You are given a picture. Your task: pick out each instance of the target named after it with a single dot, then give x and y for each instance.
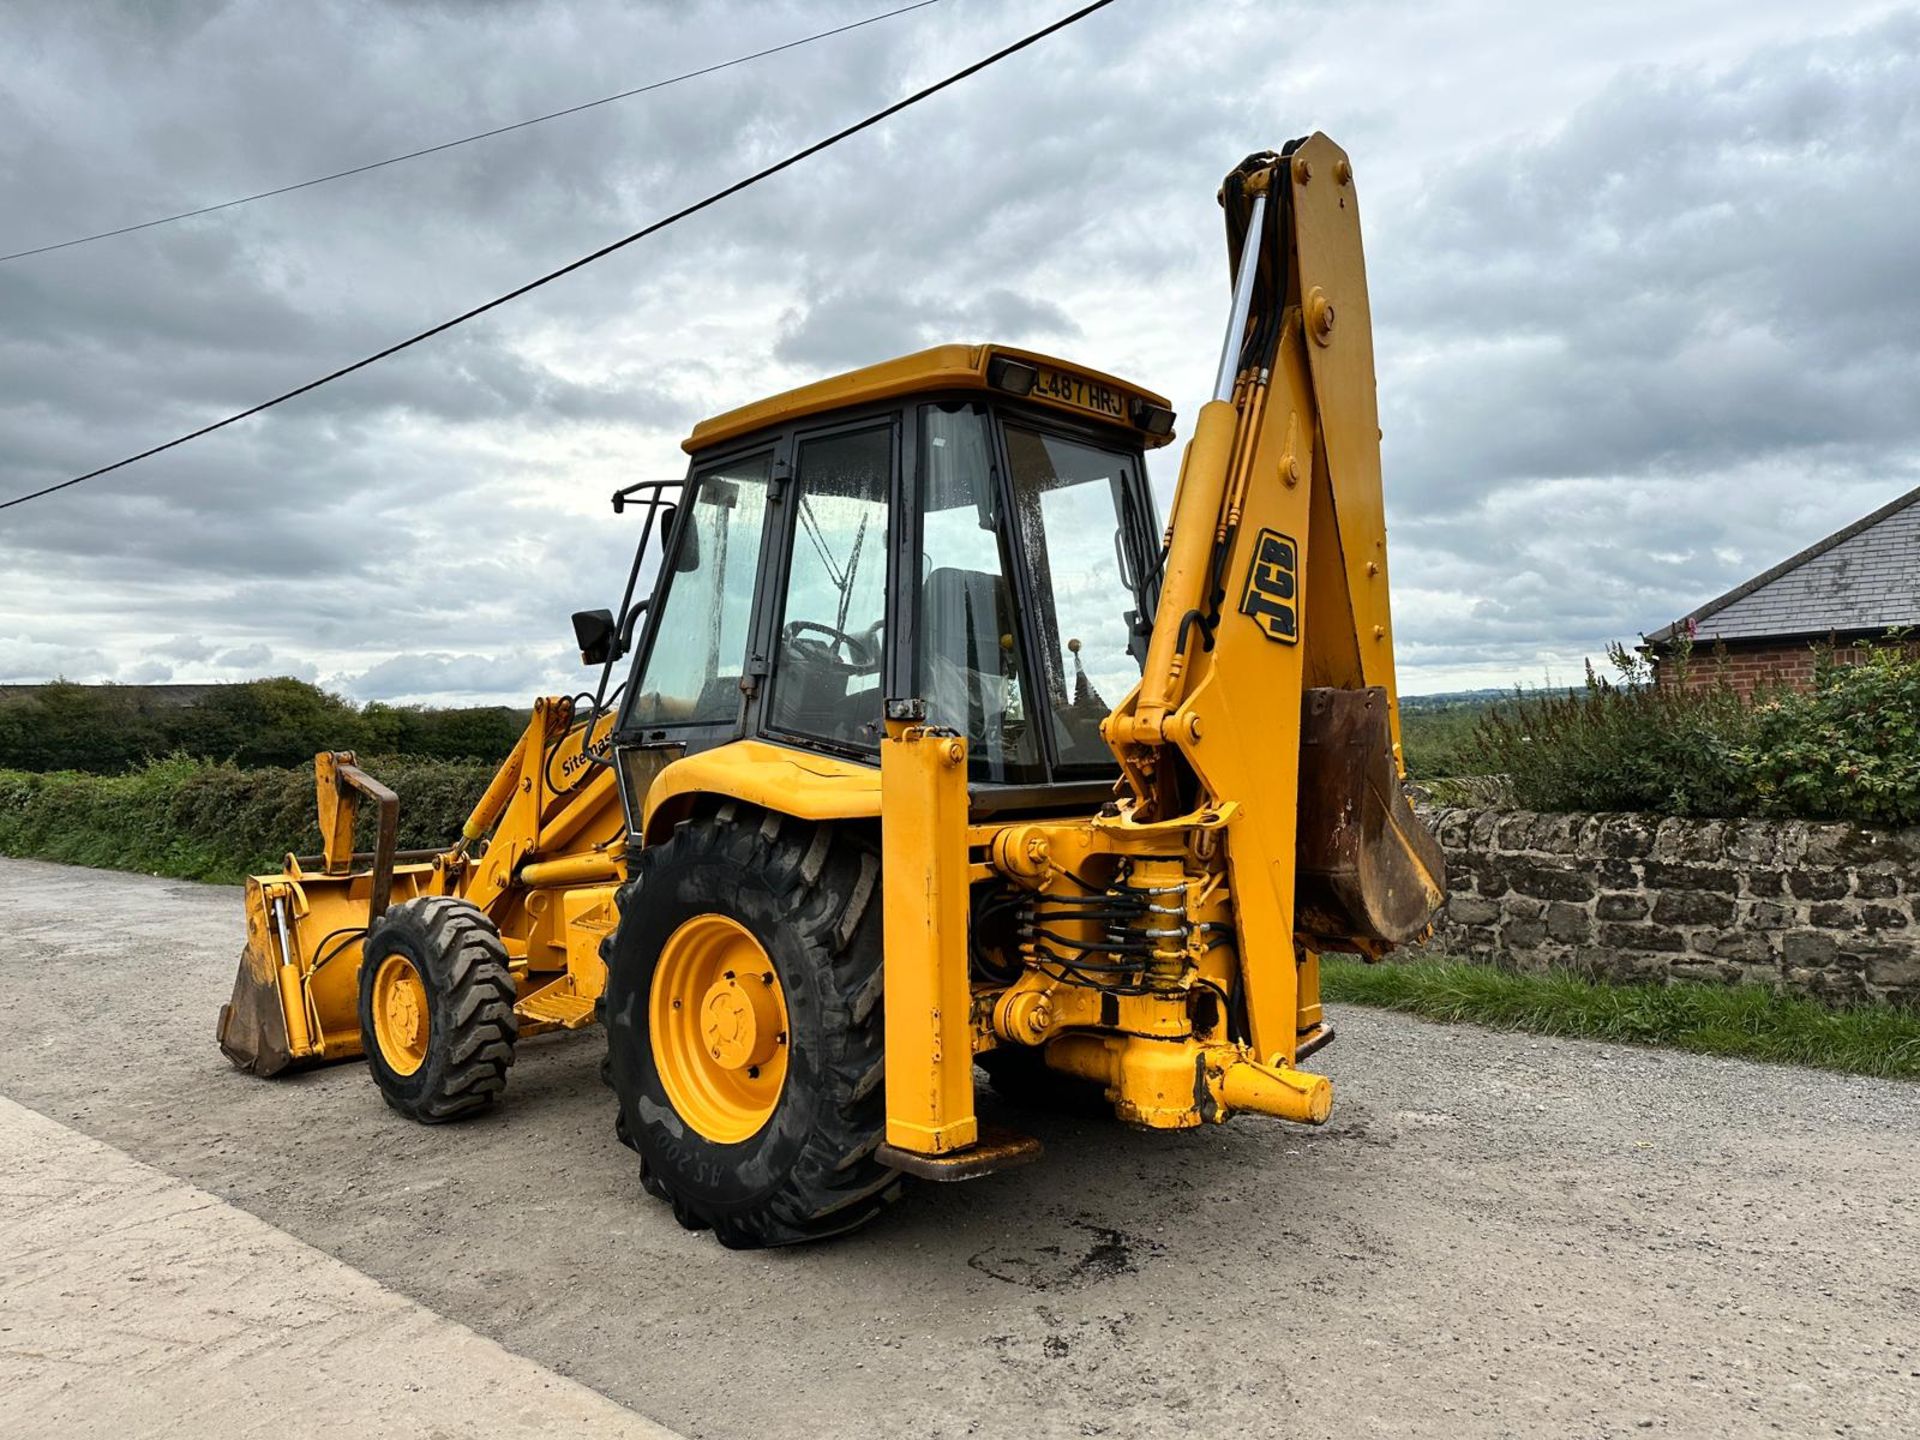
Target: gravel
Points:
(1494, 1235)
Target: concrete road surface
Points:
(1495, 1235)
(132, 1303)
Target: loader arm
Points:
(539, 856)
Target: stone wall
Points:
(1830, 910)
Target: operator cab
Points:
(970, 526)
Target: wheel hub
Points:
(740, 1021)
(403, 1015)
(400, 1014)
(717, 1025)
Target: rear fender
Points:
(799, 783)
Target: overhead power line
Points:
(465, 139)
(605, 250)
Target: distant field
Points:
(1435, 731)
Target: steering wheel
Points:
(861, 656)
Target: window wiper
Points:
(853, 568)
(812, 526)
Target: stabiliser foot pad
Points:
(997, 1149)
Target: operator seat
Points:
(964, 614)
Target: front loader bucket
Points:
(296, 1000)
(1371, 876)
(268, 1025)
(253, 1025)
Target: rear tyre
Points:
(436, 1009)
(744, 1027)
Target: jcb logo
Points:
(1272, 581)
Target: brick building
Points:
(1857, 584)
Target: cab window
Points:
(692, 674)
(967, 653)
(1071, 513)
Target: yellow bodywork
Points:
(1258, 818)
(923, 776)
(546, 878)
(944, 367)
(800, 783)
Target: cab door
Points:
(828, 621)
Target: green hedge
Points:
(1438, 741)
(200, 821)
(1848, 748)
(110, 729)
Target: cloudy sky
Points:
(1645, 276)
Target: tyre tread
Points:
(828, 879)
(471, 994)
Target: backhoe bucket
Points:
(1370, 876)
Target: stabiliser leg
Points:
(932, 1131)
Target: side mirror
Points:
(594, 632)
(688, 560)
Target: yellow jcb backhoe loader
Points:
(934, 749)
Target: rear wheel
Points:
(744, 1029)
(436, 1009)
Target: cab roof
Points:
(1056, 384)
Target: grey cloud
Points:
(1646, 313)
(457, 678)
(1698, 268)
(847, 328)
(184, 647)
(246, 657)
(26, 661)
(1633, 360)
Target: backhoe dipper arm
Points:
(1268, 685)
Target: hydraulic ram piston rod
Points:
(1242, 300)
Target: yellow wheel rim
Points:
(717, 1020)
(400, 1014)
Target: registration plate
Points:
(1081, 393)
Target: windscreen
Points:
(692, 674)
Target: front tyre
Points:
(436, 1009)
(744, 1028)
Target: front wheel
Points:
(744, 1028)
(436, 1008)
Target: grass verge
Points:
(1748, 1021)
